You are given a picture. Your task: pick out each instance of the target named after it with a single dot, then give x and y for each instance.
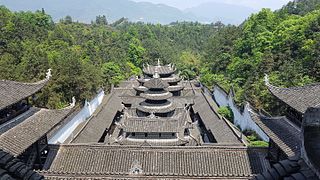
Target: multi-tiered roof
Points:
(139, 131)
(166, 73)
(156, 97)
(163, 71)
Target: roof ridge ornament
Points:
(159, 64)
(73, 103)
(266, 80)
(156, 73)
(48, 74)
(152, 115)
(136, 168)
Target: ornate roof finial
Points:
(159, 64)
(73, 102)
(136, 168)
(156, 73)
(152, 116)
(48, 74)
(266, 79)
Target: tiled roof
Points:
(145, 107)
(175, 88)
(101, 120)
(13, 168)
(17, 120)
(156, 83)
(162, 70)
(174, 79)
(299, 98)
(217, 126)
(140, 88)
(19, 138)
(281, 131)
(180, 162)
(12, 92)
(153, 125)
(292, 168)
(156, 143)
(159, 96)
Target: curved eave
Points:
(172, 80)
(12, 92)
(175, 88)
(142, 80)
(18, 139)
(156, 83)
(157, 109)
(156, 96)
(299, 98)
(161, 70)
(151, 73)
(141, 88)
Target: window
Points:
(133, 134)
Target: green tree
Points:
(112, 74)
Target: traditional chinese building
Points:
(294, 140)
(296, 99)
(156, 126)
(303, 164)
(24, 129)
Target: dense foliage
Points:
(226, 112)
(84, 57)
(283, 44)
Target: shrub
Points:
(226, 112)
(254, 139)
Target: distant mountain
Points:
(226, 13)
(87, 10)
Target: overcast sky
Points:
(255, 4)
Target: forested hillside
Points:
(284, 44)
(84, 57)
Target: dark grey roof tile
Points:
(12, 92)
(299, 98)
(19, 138)
(281, 131)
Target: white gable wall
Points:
(86, 112)
(241, 119)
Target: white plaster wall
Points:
(82, 116)
(241, 119)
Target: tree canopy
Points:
(85, 57)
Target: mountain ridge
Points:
(213, 11)
(86, 11)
